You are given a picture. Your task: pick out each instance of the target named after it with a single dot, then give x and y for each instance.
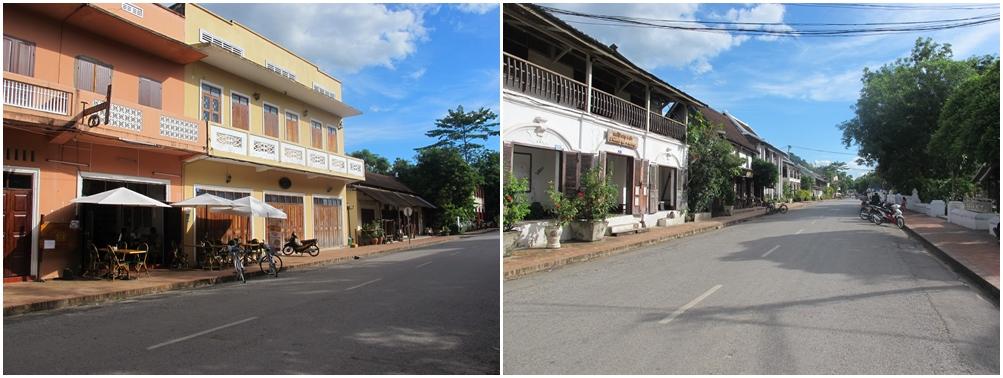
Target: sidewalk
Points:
(526, 261)
(975, 254)
(22, 297)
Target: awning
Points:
(121, 197)
(391, 198)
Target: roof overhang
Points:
(108, 25)
(255, 72)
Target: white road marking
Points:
(194, 335)
(362, 284)
(771, 250)
(423, 264)
(799, 231)
(692, 303)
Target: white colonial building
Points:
(571, 103)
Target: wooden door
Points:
(327, 222)
(278, 230)
(218, 226)
(640, 187)
(17, 232)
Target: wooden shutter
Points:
(102, 79)
(587, 162)
(332, 139)
(602, 163)
(640, 189)
(571, 172)
(507, 149)
(271, 120)
(19, 56)
(653, 180)
(292, 127)
(317, 134)
(84, 76)
(239, 112)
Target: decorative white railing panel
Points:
(30, 96)
(316, 159)
(178, 128)
(125, 117)
(293, 154)
(339, 164)
(228, 140)
(356, 167)
(264, 148)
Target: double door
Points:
(327, 221)
(278, 230)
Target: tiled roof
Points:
(731, 130)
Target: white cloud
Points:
(816, 86)
(476, 8)
(653, 48)
(417, 74)
(348, 37)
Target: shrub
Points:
(596, 197)
(516, 204)
(565, 208)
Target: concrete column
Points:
(588, 83)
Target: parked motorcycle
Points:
(890, 214)
(293, 245)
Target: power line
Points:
(818, 150)
(897, 6)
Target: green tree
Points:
(401, 167)
(487, 166)
(899, 108)
(764, 173)
(462, 130)
(442, 177)
(713, 164)
(374, 163)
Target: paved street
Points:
(815, 291)
(430, 310)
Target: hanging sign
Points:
(621, 139)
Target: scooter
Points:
(293, 245)
(888, 214)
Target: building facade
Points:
(60, 59)
(383, 199)
(572, 103)
(274, 128)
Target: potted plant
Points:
(595, 199)
(729, 201)
(564, 211)
(516, 208)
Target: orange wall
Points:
(155, 17)
(56, 63)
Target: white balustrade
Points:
(34, 97)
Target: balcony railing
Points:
(34, 97)
(531, 79)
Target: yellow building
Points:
(275, 132)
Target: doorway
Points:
(327, 221)
(281, 229)
(18, 201)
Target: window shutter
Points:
(602, 163)
(639, 197)
(156, 94)
(102, 79)
(26, 59)
(507, 149)
(84, 77)
(8, 54)
(332, 139)
(572, 164)
(653, 188)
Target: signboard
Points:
(621, 139)
(407, 212)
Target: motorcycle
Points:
(293, 245)
(889, 214)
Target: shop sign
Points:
(621, 139)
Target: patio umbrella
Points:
(252, 206)
(204, 199)
(122, 197)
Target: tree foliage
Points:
(487, 166)
(374, 163)
(969, 126)
(441, 176)
(712, 164)
(764, 173)
(461, 130)
(899, 108)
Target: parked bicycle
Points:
(179, 260)
(772, 208)
(236, 254)
(269, 262)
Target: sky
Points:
(403, 66)
(792, 91)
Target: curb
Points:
(202, 282)
(990, 291)
(522, 272)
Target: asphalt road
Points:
(431, 310)
(815, 291)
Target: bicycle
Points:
(235, 254)
(270, 262)
(772, 208)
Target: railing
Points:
(617, 109)
(529, 78)
(536, 81)
(30, 96)
(667, 127)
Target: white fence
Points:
(30, 96)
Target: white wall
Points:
(543, 171)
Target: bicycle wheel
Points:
(783, 209)
(270, 267)
(238, 269)
(314, 250)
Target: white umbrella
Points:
(253, 206)
(204, 199)
(120, 196)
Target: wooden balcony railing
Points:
(539, 82)
(34, 97)
(531, 79)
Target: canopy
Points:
(122, 197)
(387, 197)
(253, 206)
(204, 199)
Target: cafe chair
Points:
(117, 268)
(94, 261)
(140, 261)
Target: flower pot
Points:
(510, 238)
(700, 217)
(728, 210)
(588, 230)
(553, 236)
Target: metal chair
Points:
(140, 261)
(94, 261)
(116, 267)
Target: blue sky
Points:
(402, 65)
(793, 91)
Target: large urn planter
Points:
(728, 210)
(701, 217)
(510, 238)
(553, 236)
(588, 230)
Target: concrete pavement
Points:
(433, 310)
(817, 291)
(973, 253)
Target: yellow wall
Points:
(246, 178)
(256, 47)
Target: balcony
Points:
(533, 80)
(258, 149)
(34, 97)
(140, 124)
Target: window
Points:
(211, 98)
(271, 120)
(292, 127)
(92, 75)
(239, 112)
(18, 56)
(332, 139)
(316, 134)
(149, 92)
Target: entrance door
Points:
(17, 216)
(279, 230)
(219, 226)
(327, 221)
